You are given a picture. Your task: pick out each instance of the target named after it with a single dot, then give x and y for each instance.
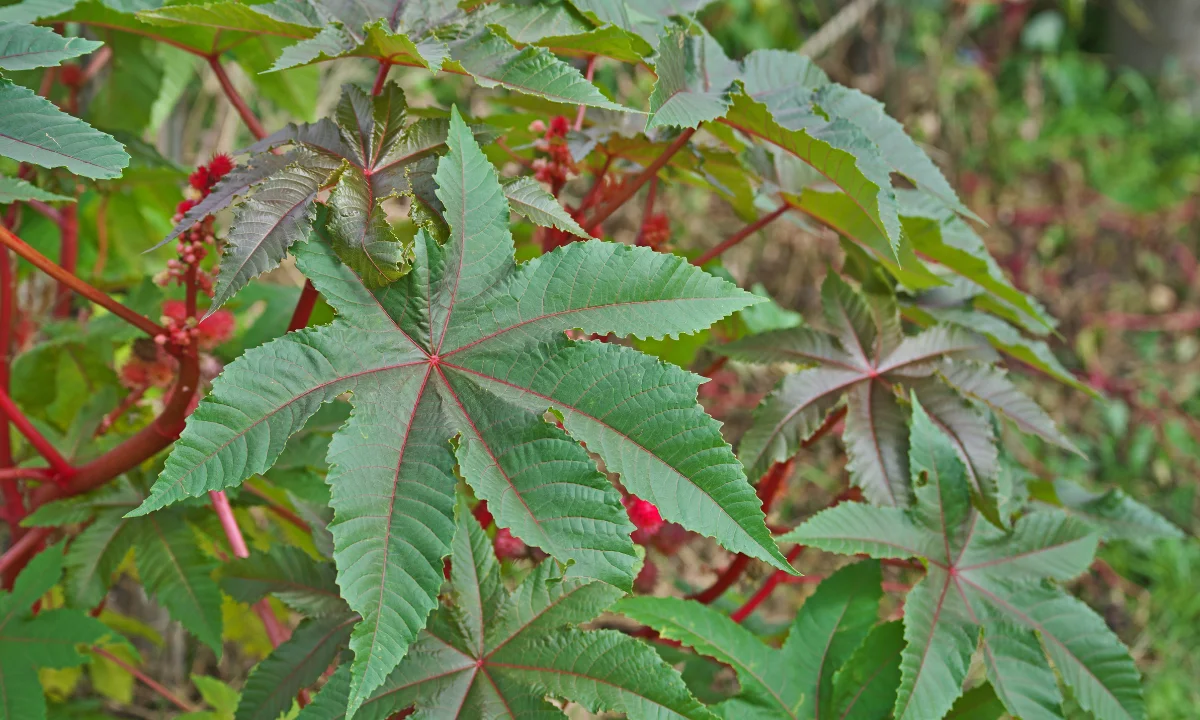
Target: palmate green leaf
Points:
(991, 387)
(470, 345)
(33, 130)
(433, 34)
(17, 190)
(297, 663)
(225, 16)
(278, 215)
(51, 639)
(789, 116)
(983, 582)
(173, 569)
(98, 550)
(894, 144)
(489, 653)
(941, 236)
(362, 154)
(842, 213)
(24, 47)
(1113, 514)
(862, 361)
(555, 26)
(796, 681)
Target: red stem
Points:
(68, 256)
(381, 77)
(275, 632)
(14, 557)
(146, 680)
(235, 98)
(148, 442)
(304, 307)
(591, 72)
(765, 591)
(46, 211)
(651, 195)
(279, 510)
(62, 468)
(768, 489)
(43, 263)
(7, 300)
(741, 235)
(628, 190)
(25, 473)
(130, 400)
(597, 184)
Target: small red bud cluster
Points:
(556, 167)
(207, 333)
(656, 232)
(151, 365)
(194, 243)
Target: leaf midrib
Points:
(201, 463)
(593, 418)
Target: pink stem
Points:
(233, 533)
(275, 632)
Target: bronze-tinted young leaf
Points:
(863, 361)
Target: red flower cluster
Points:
(193, 244)
(557, 167)
(206, 176)
(208, 333)
(151, 365)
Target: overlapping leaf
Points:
(429, 34)
(801, 679)
(51, 639)
(489, 653)
(981, 580)
(33, 130)
(362, 154)
(169, 560)
(863, 360)
(469, 345)
(23, 47)
(17, 190)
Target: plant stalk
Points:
(629, 189)
(62, 469)
(146, 680)
(740, 235)
(43, 263)
(235, 98)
